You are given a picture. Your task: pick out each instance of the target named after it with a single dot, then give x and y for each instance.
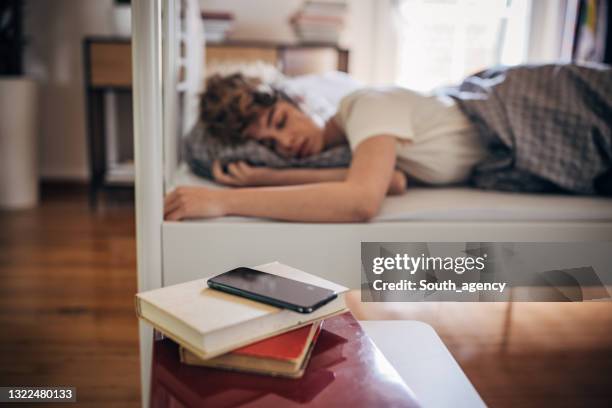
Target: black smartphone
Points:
(272, 289)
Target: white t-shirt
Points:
(436, 142)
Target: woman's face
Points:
(288, 131)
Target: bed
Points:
(193, 248)
(173, 252)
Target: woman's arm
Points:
(358, 198)
(240, 174)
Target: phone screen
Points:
(272, 289)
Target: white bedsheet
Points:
(466, 204)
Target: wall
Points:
(53, 56)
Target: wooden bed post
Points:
(148, 152)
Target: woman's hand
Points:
(193, 202)
(240, 174)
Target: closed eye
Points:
(282, 122)
(268, 142)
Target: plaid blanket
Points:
(549, 127)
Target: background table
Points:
(423, 362)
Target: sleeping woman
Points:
(396, 136)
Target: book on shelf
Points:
(216, 15)
(209, 322)
(324, 21)
(319, 21)
(285, 355)
(217, 25)
(318, 36)
(346, 369)
(324, 8)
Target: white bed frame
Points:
(148, 156)
(170, 252)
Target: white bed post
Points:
(148, 152)
(170, 64)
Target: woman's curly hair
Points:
(231, 103)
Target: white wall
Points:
(53, 56)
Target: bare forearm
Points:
(287, 177)
(321, 202)
(358, 198)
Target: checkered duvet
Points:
(549, 127)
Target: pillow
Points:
(201, 150)
(318, 95)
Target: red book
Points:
(346, 369)
(287, 346)
(283, 355)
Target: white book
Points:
(215, 25)
(209, 322)
(325, 8)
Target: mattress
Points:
(463, 204)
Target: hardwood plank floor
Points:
(67, 279)
(68, 275)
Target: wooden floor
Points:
(67, 280)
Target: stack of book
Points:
(220, 330)
(217, 25)
(319, 22)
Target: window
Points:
(442, 41)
